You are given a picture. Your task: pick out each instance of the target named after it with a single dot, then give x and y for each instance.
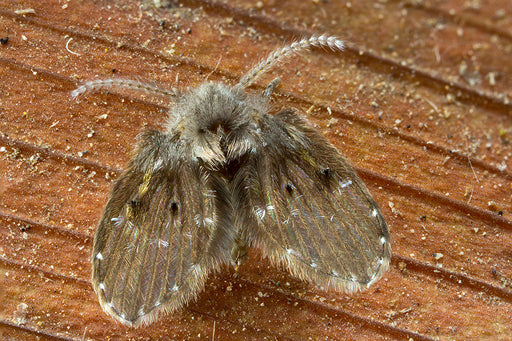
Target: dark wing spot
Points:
(289, 188)
(135, 203)
(326, 172)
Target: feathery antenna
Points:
(110, 83)
(318, 41)
(322, 41)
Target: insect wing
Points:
(312, 212)
(152, 248)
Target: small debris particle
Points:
(437, 255)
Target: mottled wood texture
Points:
(419, 103)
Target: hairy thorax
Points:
(218, 123)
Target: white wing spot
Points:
(383, 240)
(292, 252)
(141, 312)
(313, 265)
(202, 221)
(270, 208)
(260, 213)
(157, 303)
(163, 243)
(101, 286)
(375, 212)
(346, 183)
(197, 219)
(196, 268)
(381, 261)
(174, 288)
(334, 273)
(210, 194)
(353, 277)
(158, 164)
(117, 221)
(123, 316)
(110, 305)
(99, 256)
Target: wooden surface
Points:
(419, 103)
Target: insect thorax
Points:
(218, 123)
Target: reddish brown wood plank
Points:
(419, 103)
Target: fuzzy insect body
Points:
(224, 176)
